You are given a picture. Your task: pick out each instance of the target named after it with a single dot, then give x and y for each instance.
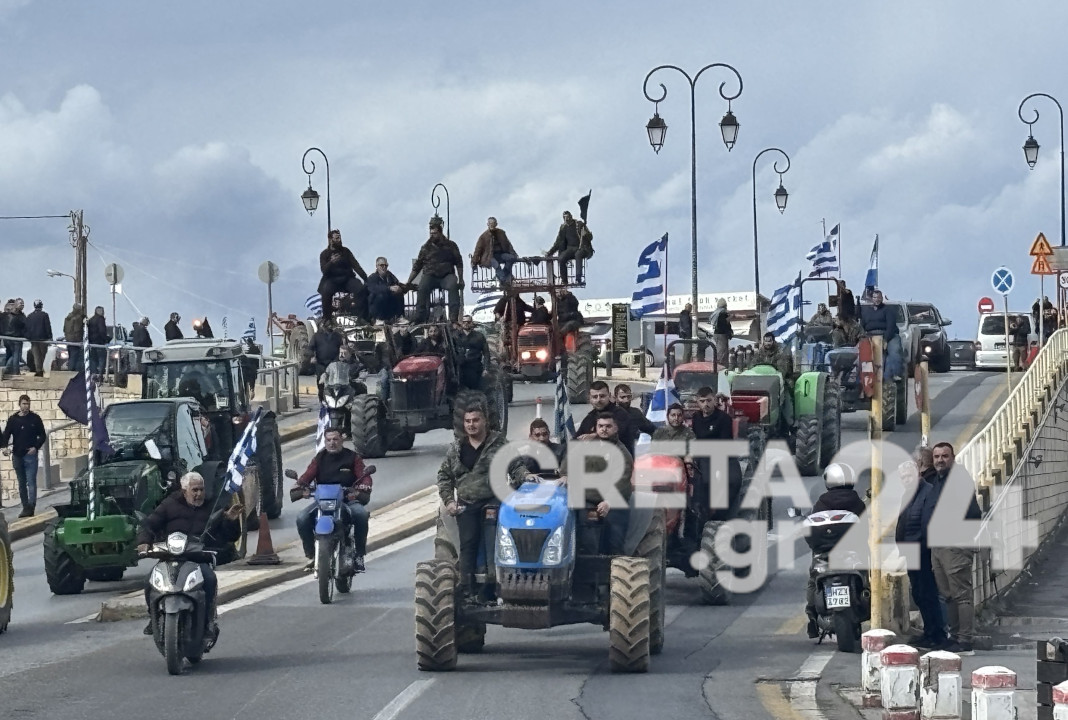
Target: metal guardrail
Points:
(984, 455)
(46, 453)
(284, 378)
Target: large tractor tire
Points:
(831, 428)
(807, 443)
(447, 539)
(629, 615)
(368, 426)
(889, 408)
(7, 576)
(579, 377)
(105, 574)
(269, 465)
(299, 338)
(401, 440)
(653, 548)
(942, 364)
(435, 615)
(471, 638)
(712, 592)
(64, 576)
(901, 401)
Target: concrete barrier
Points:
(899, 682)
(993, 693)
(1060, 701)
(940, 686)
(872, 643)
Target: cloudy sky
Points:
(179, 129)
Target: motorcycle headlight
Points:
(176, 543)
(820, 566)
(506, 554)
(159, 579)
(328, 506)
(927, 348)
(195, 579)
(554, 549)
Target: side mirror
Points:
(370, 470)
(153, 450)
(291, 474)
(946, 322)
(792, 512)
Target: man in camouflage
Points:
(675, 429)
(773, 354)
(443, 268)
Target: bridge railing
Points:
(985, 454)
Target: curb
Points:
(133, 607)
(299, 430)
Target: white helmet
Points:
(839, 475)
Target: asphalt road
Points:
(282, 654)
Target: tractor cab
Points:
(692, 365)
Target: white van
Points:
(990, 351)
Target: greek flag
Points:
(663, 396)
(484, 306)
(871, 280)
(314, 303)
(243, 452)
(320, 429)
(250, 333)
(784, 317)
(824, 256)
(564, 423)
(652, 275)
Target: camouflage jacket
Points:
(669, 433)
(456, 482)
(437, 259)
(777, 358)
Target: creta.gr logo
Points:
(1004, 531)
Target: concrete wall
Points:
(44, 400)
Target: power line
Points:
(35, 217)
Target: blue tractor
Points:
(542, 565)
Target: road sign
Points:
(268, 272)
(1041, 266)
(1040, 247)
(1062, 280)
(986, 305)
(113, 274)
(1002, 280)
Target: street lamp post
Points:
(1030, 147)
(657, 130)
(436, 202)
(310, 197)
(781, 197)
(57, 273)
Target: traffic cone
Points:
(265, 554)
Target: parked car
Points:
(990, 351)
(962, 354)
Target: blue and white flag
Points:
(871, 280)
(652, 277)
(784, 317)
(320, 429)
(314, 303)
(486, 303)
(250, 333)
(824, 256)
(663, 397)
(243, 452)
(564, 425)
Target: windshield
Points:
(995, 324)
(208, 382)
(337, 374)
(129, 425)
(922, 315)
(691, 382)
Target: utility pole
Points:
(79, 240)
(875, 559)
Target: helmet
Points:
(839, 475)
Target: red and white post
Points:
(993, 693)
(1060, 701)
(940, 686)
(872, 643)
(899, 682)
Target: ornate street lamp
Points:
(781, 196)
(310, 197)
(1030, 147)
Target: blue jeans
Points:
(98, 361)
(893, 361)
(14, 356)
(354, 514)
(26, 472)
(502, 264)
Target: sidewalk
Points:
(402, 519)
(292, 425)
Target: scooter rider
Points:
(187, 512)
(336, 464)
(839, 479)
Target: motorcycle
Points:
(335, 546)
(338, 391)
(843, 594)
(177, 601)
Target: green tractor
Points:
(155, 443)
(7, 576)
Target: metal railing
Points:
(984, 455)
(284, 379)
(119, 359)
(46, 453)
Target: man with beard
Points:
(340, 268)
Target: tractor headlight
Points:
(927, 348)
(176, 543)
(195, 579)
(542, 354)
(554, 549)
(525, 355)
(506, 554)
(159, 579)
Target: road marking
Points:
(979, 420)
(793, 625)
(798, 702)
(812, 668)
(404, 699)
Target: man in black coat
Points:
(601, 400)
(340, 268)
(912, 524)
(385, 293)
(98, 336)
(38, 332)
(712, 422)
(171, 331)
(14, 325)
(880, 319)
(324, 348)
(26, 432)
(638, 422)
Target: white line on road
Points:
(404, 699)
(802, 692)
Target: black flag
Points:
(72, 403)
(584, 205)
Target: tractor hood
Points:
(842, 359)
(418, 364)
(124, 480)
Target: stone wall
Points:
(44, 400)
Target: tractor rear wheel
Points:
(7, 576)
(64, 576)
(653, 547)
(901, 401)
(579, 377)
(368, 437)
(402, 440)
(889, 408)
(435, 615)
(712, 592)
(831, 430)
(807, 443)
(629, 615)
(269, 462)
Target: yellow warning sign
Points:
(1040, 248)
(1041, 266)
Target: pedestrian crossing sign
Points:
(1040, 248)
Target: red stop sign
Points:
(986, 305)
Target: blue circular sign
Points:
(1002, 280)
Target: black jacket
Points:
(140, 336)
(540, 316)
(379, 285)
(880, 320)
(174, 514)
(38, 326)
(504, 309)
(567, 309)
(325, 346)
(15, 325)
(685, 325)
(938, 484)
(639, 423)
(840, 498)
(25, 430)
(172, 332)
(916, 515)
(98, 330)
(345, 266)
(626, 432)
(717, 426)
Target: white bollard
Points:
(1060, 701)
(993, 693)
(537, 407)
(872, 643)
(899, 682)
(940, 686)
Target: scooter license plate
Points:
(837, 596)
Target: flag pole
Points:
(89, 415)
(666, 300)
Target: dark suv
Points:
(930, 326)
